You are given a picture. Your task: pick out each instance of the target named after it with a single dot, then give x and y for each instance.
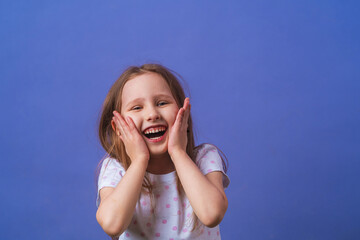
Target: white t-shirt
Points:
(167, 215)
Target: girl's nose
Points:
(153, 115)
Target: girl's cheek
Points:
(173, 121)
(176, 111)
(136, 122)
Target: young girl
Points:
(154, 183)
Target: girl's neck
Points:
(160, 164)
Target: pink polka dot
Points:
(104, 177)
(209, 233)
(171, 239)
(175, 198)
(167, 205)
(157, 195)
(209, 170)
(157, 234)
(184, 204)
(212, 161)
(127, 234)
(174, 228)
(166, 187)
(144, 203)
(218, 233)
(112, 183)
(148, 224)
(179, 212)
(120, 173)
(188, 215)
(135, 222)
(185, 230)
(164, 221)
(202, 231)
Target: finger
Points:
(186, 100)
(188, 108)
(187, 105)
(131, 123)
(185, 114)
(119, 128)
(179, 118)
(121, 119)
(122, 125)
(186, 119)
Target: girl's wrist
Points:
(175, 153)
(143, 162)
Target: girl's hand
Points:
(134, 143)
(178, 133)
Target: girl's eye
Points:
(162, 103)
(136, 108)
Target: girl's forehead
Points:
(145, 85)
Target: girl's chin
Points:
(158, 151)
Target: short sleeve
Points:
(110, 175)
(209, 160)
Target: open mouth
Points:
(155, 133)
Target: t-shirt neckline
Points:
(167, 177)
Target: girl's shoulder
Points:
(210, 158)
(205, 151)
(204, 148)
(109, 162)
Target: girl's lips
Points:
(157, 139)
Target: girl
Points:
(154, 183)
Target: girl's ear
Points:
(113, 125)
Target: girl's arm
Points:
(118, 204)
(205, 193)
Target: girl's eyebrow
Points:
(163, 96)
(167, 96)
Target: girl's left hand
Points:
(178, 132)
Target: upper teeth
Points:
(154, 130)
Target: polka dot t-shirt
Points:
(165, 215)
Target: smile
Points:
(155, 134)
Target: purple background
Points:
(274, 84)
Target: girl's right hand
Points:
(134, 143)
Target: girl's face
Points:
(148, 100)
